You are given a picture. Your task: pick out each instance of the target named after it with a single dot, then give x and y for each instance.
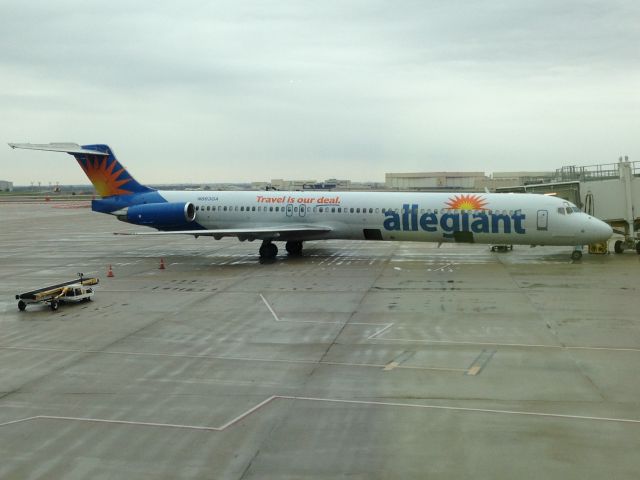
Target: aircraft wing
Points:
(283, 232)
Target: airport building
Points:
(6, 186)
(462, 181)
(417, 181)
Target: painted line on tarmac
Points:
(399, 360)
(480, 362)
(278, 319)
(228, 358)
(376, 335)
(520, 345)
(255, 408)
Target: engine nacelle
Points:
(161, 215)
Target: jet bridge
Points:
(610, 192)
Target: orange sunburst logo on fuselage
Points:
(467, 202)
(104, 176)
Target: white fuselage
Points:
(488, 218)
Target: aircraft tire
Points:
(294, 247)
(576, 255)
(618, 246)
(22, 306)
(268, 251)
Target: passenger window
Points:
(378, 210)
(339, 210)
(225, 209)
(271, 209)
(253, 209)
(242, 209)
(357, 210)
(197, 208)
(351, 210)
(277, 209)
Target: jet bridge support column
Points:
(626, 177)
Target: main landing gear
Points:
(268, 250)
(294, 248)
(501, 248)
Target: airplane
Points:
(295, 217)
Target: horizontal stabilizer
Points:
(57, 147)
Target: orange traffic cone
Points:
(162, 264)
(110, 272)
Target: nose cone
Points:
(605, 230)
(598, 231)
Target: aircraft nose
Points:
(600, 231)
(605, 230)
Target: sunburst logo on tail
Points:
(104, 176)
(467, 202)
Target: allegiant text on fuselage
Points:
(450, 222)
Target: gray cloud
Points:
(253, 90)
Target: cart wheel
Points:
(638, 248)
(22, 306)
(576, 255)
(54, 305)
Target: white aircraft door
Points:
(303, 210)
(543, 219)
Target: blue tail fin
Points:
(99, 163)
(108, 176)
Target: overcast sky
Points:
(213, 91)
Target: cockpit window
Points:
(561, 210)
(569, 210)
